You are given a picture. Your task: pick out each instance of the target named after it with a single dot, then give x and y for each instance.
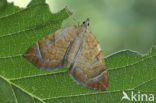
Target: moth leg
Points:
(73, 18)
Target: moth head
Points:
(86, 23)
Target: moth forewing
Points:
(87, 66)
(49, 52)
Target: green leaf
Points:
(22, 82)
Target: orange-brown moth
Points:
(79, 47)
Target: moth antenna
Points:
(73, 18)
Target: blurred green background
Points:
(117, 24)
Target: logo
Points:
(137, 96)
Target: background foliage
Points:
(117, 24)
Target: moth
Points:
(79, 47)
